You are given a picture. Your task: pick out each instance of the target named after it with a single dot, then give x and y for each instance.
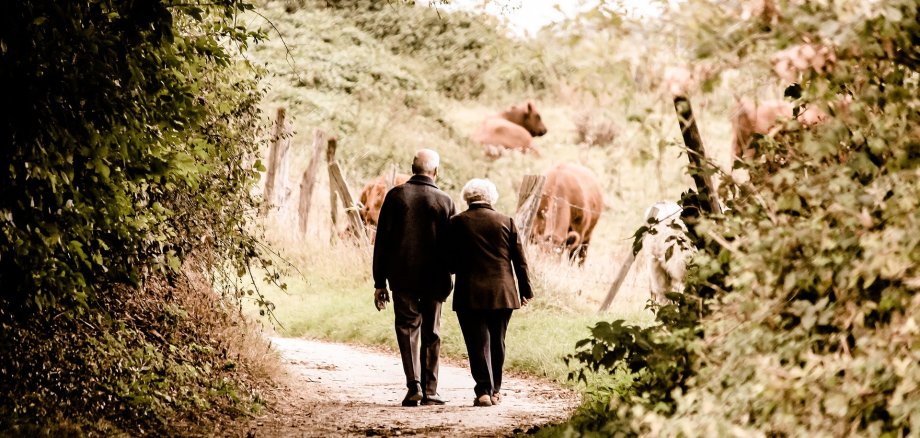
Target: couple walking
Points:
(420, 242)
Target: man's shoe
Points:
(483, 400)
(430, 400)
(413, 396)
(496, 398)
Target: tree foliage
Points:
(481, 57)
(127, 154)
(801, 311)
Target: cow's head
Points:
(370, 203)
(527, 116)
(371, 199)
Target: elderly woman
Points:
(487, 254)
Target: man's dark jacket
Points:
(485, 249)
(410, 249)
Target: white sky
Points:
(528, 16)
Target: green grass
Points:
(332, 300)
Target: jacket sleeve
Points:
(450, 253)
(380, 243)
(448, 243)
(519, 262)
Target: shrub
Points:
(480, 57)
(799, 317)
(592, 129)
(125, 156)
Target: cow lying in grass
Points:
(512, 129)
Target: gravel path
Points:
(341, 390)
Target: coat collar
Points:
(478, 205)
(422, 179)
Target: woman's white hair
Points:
(479, 190)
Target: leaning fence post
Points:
(351, 207)
(624, 269)
(696, 155)
(333, 207)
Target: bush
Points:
(480, 57)
(592, 129)
(124, 158)
(800, 315)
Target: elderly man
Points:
(486, 248)
(409, 253)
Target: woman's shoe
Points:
(496, 398)
(483, 400)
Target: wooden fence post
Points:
(704, 187)
(618, 281)
(276, 157)
(338, 183)
(333, 202)
(697, 155)
(528, 203)
(309, 180)
(624, 269)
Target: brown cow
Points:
(371, 200)
(766, 118)
(791, 63)
(511, 129)
(569, 208)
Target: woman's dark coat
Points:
(486, 254)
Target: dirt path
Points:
(341, 390)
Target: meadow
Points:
(318, 73)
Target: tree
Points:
(131, 124)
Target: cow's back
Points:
(587, 199)
(497, 131)
(570, 205)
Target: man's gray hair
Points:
(426, 161)
(479, 190)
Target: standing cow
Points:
(372, 198)
(570, 206)
(512, 129)
(666, 250)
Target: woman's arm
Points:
(519, 262)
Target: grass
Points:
(331, 299)
(381, 122)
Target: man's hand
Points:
(381, 298)
(524, 301)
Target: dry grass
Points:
(242, 337)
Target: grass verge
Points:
(330, 298)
